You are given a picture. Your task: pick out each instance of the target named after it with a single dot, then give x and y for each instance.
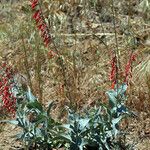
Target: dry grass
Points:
(85, 39)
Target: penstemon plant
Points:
(42, 26)
(38, 127)
(99, 127)
(96, 129)
(40, 22)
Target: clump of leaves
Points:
(76, 131)
(98, 128)
(104, 123)
(38, 127)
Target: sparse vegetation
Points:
(90, 56)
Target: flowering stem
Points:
(116, 51)
(6, 85)
(26, 64)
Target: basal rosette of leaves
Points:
(97, 128)
(38, 127)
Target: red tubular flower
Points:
(34, 3)
(37, 15)
(126, 74)
(42, 27)
(113, 85)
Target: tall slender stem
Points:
(26, 64)
(116, 51)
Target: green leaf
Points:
(14, 122)
(35, 105)
(122, 89)
(116, 120)
(19, 135)
(30, 96)
(83, 123)
(49, 108)
(115, 123)
(68, 127)
(82, 144)
(112, 98)
(66, 137)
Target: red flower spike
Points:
(6, 84)
(113, 71)
(128, 67)
(40, 22)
